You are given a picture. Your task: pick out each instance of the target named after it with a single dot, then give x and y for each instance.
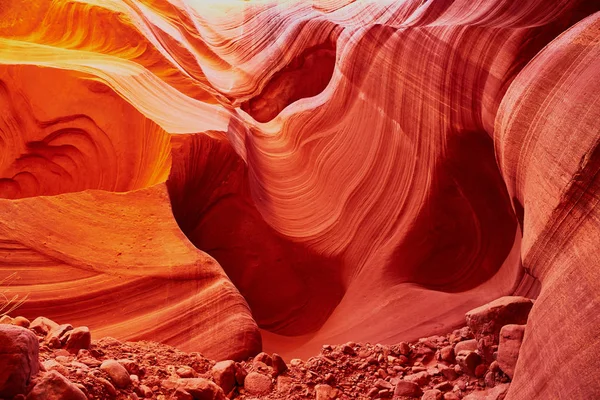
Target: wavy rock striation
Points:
(326, 171)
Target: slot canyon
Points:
(242, 177)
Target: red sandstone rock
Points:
(77, 339)
(325, 392)
(407, 388)
(279, 365)
(43, 325)
(497, 393)
(490, 318)
(432, 394)
(117, 373)
(18, 359)
(465, 345)
(223, 374)
(388, 166)
(511, 338)
(257, 384)
(54, 386)
(201, 389)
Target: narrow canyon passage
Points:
(228, 177)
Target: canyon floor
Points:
(466, 363)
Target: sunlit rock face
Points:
(191, 171)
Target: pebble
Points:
(117, 373)
(257, 384)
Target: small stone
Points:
(348, 350)
(373, 392)
(186, 372)
(42, 325)
(432, 394)
(295, 362)
(19, 351)
(201, 389)
(240, 374)
(451, 396)
(443, 386)
(77, 339)
(480, 370)
(117, 373)
(511, 338)
(130, 365)
(54, 365)
(223, 374)
(110, 388)
(284, 384)
(404, 348)
(465, 345)
(52, 386)
(6, 320)
(489, 380)
(494, 367)
(468, 361)
(447, 354)
(146, 391)
(448, 373)
(325, 392)
(21, 321)
(279, 365)
(53, 338)
(264, 357)
(381, 384)
(409, 389)
(496, 393)
(257, 384)
(420, 378)
(181, 394)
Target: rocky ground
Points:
(42, 359)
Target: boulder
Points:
(19, 351)
(490, 318)
(511, 338)
(223, 374)
(54, 386)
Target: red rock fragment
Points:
(257, 384)
(223, 374)
(54, 386)
(511, 338)
(19, 351)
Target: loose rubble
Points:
(475, 362)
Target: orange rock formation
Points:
(331, 170)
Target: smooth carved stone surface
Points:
(326, 170)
